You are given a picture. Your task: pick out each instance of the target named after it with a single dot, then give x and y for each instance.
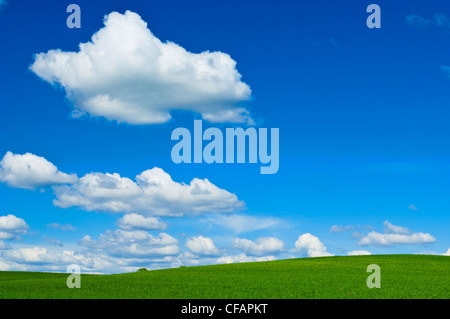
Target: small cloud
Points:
(392, 229)
(427, 252)
(374, 238)
(357, 234)
(358, 253)
(311, 245)
(242, 258)
(53, 241)
(136, 221)
(395, 235)
(447, 253)
(338, 229)
(334, 42)
(259, 247)
(392, 235)
(446, 70)
(243, 223)
(413, 207)
(202, 246)
(326, 43)
(30, 171)
(441, 20)
(11, 227)
(417, 21)
(61, 227)
(438, 20)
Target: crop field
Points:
(402, 276)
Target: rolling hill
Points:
(402, 277)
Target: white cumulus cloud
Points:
(311, 245)
(12, 223)
(395, 235)
(375, 238)
(30, 171)
(261, 246)
(11, 227)
(202, 246)
(153, 193)
(128, 75)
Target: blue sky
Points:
(362, 113)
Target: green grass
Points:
(402, 276)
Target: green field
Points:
(402, 276)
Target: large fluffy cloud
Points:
(311, 245)
(30, 171)
(153, 193)
(261, 246)
(128, 75)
